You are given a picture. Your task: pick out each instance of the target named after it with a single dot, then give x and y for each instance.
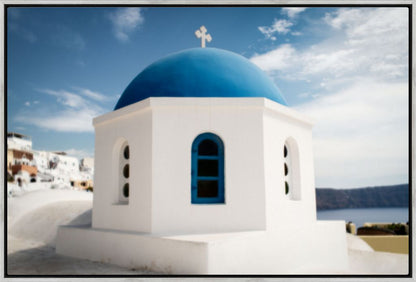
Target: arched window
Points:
(207, 184)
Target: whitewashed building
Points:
(19, 141)
(41, 159)
(202, 168)
(87, 164)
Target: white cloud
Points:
(282, 26)
(66, 98)
(337, 62)
(278, 59)
(92, 94)
(369, 42)
(360, 135)
(379, 37)
(79, 154)
(292, 12)
(279, 26)
(72, 113)
(358, 95)
(125, 21)
(28, 103)
(65, 121)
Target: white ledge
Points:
(269, 106)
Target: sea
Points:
(360, 216)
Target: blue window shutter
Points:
(207, 187)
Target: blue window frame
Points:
(207, 184)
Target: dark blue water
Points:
(360, 216)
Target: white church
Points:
(202, 168)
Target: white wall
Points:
(176, 123)
(19, 144)
(304, 249)
(87, 163)
(297, 207)
(41, 159)
(108, 211)
(160, 132)
(316, 248)
(66, 163)
(132, 250)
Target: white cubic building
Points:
(203, 169)
(87, 164)
(19, 142)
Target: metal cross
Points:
(202, 33)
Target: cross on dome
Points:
(202, 33)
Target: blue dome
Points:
(200, 72)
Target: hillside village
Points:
(29, 169)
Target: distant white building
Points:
(56, 160)
(45, 166)
(41, 159)
(60, 168)
(64, 162)
(19, 161)
(19, 141)
(87, 164)
(203, 169)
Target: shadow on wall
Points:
(84, 219)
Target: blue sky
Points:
(346, 68)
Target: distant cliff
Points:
(371, 197)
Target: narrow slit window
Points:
(124, 173)
(286, 169)
(291, 172)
